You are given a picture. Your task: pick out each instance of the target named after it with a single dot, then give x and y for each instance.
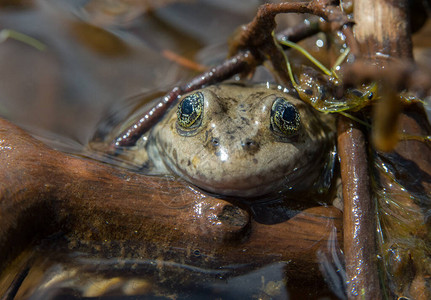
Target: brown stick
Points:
(239, 63)
(358, 215)
(258, 32)
(382, 32)
(44, 191)
(375, 35)
(257, 35)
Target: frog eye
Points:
(189, 113)
(285, 118)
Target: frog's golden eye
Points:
(285, 118)
(189, 113)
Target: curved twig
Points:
(239, 63)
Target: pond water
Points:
(97, 56)
(102, 58)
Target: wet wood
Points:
(43, 191)
(359, 214)
(257, 37)
(384, 35)
(384, 30)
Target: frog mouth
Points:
(255, 177)
(253, 185)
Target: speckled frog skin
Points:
(240, 140)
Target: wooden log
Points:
(43, 191)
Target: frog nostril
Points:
(250, 145)
(215, 142)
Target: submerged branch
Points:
(43, 191)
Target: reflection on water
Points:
(154, 279)
(81, 275)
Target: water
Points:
(69, 274)
(97, 55)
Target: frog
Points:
(239, 140)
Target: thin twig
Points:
(239, 63)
